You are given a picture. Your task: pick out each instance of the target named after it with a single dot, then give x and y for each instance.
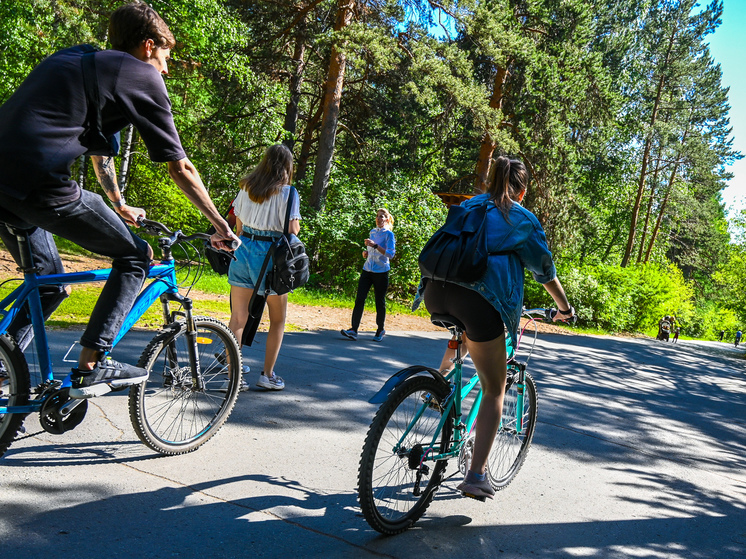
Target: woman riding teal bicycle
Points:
(515, 241)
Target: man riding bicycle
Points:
(45, 126)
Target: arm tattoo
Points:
(106, 173)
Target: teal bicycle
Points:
(420, 426)
(194, 361)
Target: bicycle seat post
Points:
(456, 344)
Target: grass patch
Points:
(314, 296)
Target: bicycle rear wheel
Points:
(14, 389)
(392, 473)
(170, 414)
(511, 447)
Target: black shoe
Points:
(106, 376)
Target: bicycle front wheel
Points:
(169, 412)
(14, 389)
(395, 484)
(511, 447)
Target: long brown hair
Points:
(274, 171)
(508, 179)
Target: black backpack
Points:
(457, 252)
(289, 269)
(289, 265)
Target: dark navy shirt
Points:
(41, 123)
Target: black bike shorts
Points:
(482, 321)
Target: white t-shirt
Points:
(270, 214)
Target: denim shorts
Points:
(244, 270)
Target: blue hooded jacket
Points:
(521, 243)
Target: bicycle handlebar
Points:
(550, 313)
(156, 228)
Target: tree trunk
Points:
(487, 147)
(305, 150)
(82, 168)
(291, 112)
(669, 189)
(646, 154)
(332, 100)
(649, 211)
(123, 177)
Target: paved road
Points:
(640, 451)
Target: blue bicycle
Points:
(194, 361)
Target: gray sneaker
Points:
(106, 376)
(243, 386)
(270, 383)
(479, 490)
(349, 334)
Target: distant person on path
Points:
(260, 208)
(47, 124)
(380, 248)
(738, 338)
(485, 307)
(664, 328)
(722, 333)
(676, 335)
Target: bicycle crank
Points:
(60, 414)
(465, 456)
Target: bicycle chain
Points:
(29, 435)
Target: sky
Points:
(728, 48)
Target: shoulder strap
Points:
(90, 82)
(287, 209)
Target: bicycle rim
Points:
(14, 389)
(171, 415)
(510, 447)
(390, 478)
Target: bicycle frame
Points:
(163, 286)
(455, 399)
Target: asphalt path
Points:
(639, 451)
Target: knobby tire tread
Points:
(138, 393)
(502, 480)
(16, 382)
(366, 491)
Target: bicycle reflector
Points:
(453, 344)
(203, 340)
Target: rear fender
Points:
(399, 377)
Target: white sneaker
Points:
(270, 383)
(243, 387)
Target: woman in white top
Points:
(260, 208)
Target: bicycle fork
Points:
(191, 336)
(520, 385)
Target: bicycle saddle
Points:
(447, 321)
(11, 220)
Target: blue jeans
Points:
(48, 262)
(90, 223)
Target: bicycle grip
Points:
(233, 245)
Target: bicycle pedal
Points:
(481, 498)
(90, 391)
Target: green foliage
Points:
(630, 299)
(335, 235)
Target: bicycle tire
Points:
(15, 386)
(386, 481)
(510, 448)
(167, 413)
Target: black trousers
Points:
(380, 283)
